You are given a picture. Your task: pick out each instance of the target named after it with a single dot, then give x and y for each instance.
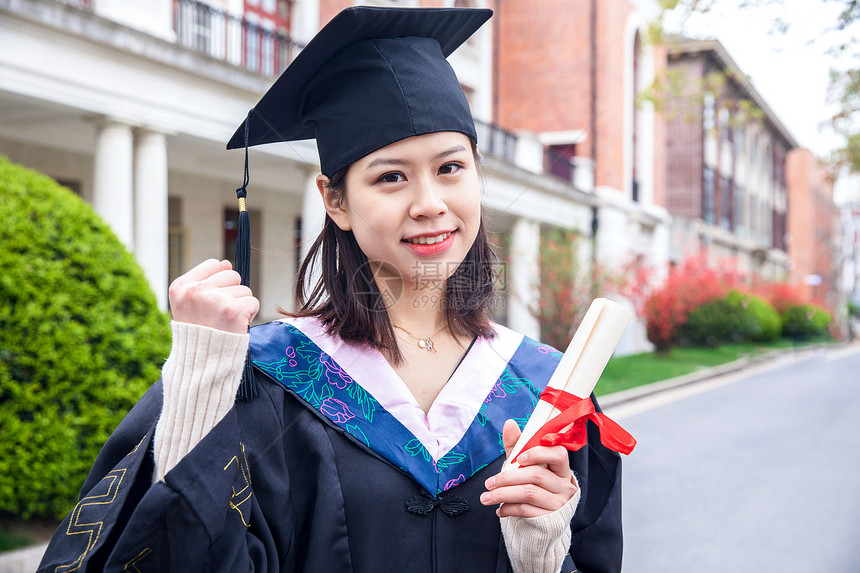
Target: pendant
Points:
(426, 344)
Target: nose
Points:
(427, 200)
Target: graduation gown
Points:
(325, 471)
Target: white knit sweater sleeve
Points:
(200, 379)
(539, 544)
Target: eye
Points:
(391, 177)
(450, 168)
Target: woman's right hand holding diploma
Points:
(211, 294)
(542, 484)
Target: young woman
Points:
(388, 400)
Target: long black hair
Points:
(347, 300)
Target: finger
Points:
(534, 475)
(555, 458)
(521, 510)
(236, 291)
(204, 270)
(510, 435)
(222, 279)
(526, 494)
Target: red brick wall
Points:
(542, 79)
(330, 8)
(612, 18)
(685, 148)
(811, 225)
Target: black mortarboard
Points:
(372, 76)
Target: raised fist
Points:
(211, 294)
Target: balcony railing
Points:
(496, 142)
(238, 41)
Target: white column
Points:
(313, 216)
(524, 277)
(305, 20)
(112, 178)
(150, 210)
(313, 213)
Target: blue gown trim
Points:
(287, 356)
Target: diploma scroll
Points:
(581, 365)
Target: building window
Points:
(723, 125)
(738, 211)
(266, 44)
(754, 223)
(558, 160)
(708, 196)
(201, 27)
(708, 113)
(739, 140)
(252, 47)
(725, 203)
(752, 148)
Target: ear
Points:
(334, 206)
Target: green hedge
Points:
(81, 339)
(766, 316)
(738, 317)
(805, 321)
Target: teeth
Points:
(429, 240)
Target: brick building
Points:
(726, 157)
(130, 103)
(813, 229)
(569, 71)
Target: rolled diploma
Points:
(582, 363)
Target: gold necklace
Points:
(425, 343)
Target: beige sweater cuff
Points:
(200, 379)
(539, 544)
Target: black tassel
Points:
(248, 386)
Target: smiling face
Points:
(413, 207)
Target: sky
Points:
(789, 68)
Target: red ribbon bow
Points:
(568, 429)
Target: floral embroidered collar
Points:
(357, 390)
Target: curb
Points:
(647, 390)
(24, 560)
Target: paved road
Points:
(758, 472)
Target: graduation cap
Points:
(372, 76)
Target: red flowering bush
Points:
(781, 295)
(688, 285)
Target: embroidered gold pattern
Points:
(244, 493)
(133, 563)
(93, 530)
(137, 446)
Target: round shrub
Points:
(766, 316)
(805, 321)
(719, 321)
(81, 339)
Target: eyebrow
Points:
(395, 161)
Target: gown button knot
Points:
(423, 504)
